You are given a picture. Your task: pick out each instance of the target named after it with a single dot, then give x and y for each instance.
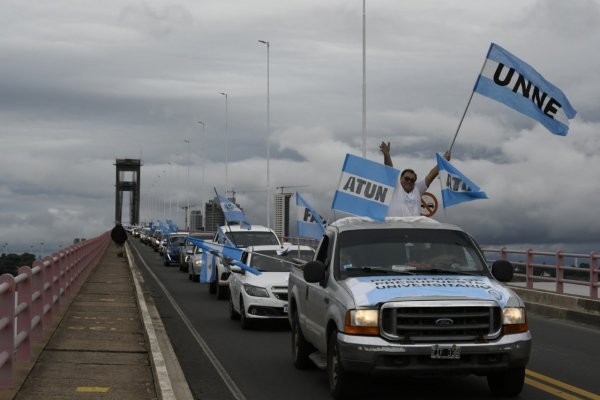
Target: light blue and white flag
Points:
(509, 80)
(232, 213)
(309, 223)
(210, 252)
(456, 188)
(366, 188)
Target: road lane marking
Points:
(550, 389)
(555, 382)
(227, 379)
(92, 389)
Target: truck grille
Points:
(421, 321)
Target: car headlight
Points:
(198, 262)
(514, 320)
(362, 322)
(255, 291)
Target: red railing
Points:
(531, 266)
(30, 302)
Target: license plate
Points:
(285, 308)
(445, 352)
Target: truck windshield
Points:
(271, 261)
(408, 251)
(252, 238)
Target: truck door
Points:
(317, 297)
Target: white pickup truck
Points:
(235, 238)
(406, 296)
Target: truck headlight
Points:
(255, 291)
(514, 320)
(362, 322)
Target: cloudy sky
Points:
(83, 83)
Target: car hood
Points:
(266, 279)
(372, 290)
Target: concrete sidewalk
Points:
(110, 344)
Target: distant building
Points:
(196, 220)
(281, 224)
(213, 214)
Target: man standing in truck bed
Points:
(406, 200)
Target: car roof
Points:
(271, 247)
(359, 223)
(238, 228)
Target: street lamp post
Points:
(364, 84)
(187, 185)
(203, 167)
(226, 146)
(268, 44)
(170, 191)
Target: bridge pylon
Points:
(132, 185)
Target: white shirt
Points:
(407, 204)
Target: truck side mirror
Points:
(502, 270)
(314, 271)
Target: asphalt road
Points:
(221, 361)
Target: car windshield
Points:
(176, 240)
(408, 251)
(252, 238)
(274, 261)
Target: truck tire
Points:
(341, 382)
(507, 383)
(301, 349)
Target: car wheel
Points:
(507, 383)
(190, 272)
(245, 321)
(341, 382)
(301, 349)
(233, 315)
(165, 263)
(222, 292)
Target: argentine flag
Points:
(456, 188)
(513, 82)
(309, 223)
(365, 188)
(232, 213)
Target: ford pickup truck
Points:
(408, 296)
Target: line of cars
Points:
(408, 296)
(252, 297)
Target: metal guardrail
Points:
(531, 266)
(30, 302)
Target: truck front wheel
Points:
(301, 349)
(507, 383)
(341, 382)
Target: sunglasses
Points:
(409, 180)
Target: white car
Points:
(194, 262)
(235, 236)
(255, 297)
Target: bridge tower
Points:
(133, 186)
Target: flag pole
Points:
(467, 107)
